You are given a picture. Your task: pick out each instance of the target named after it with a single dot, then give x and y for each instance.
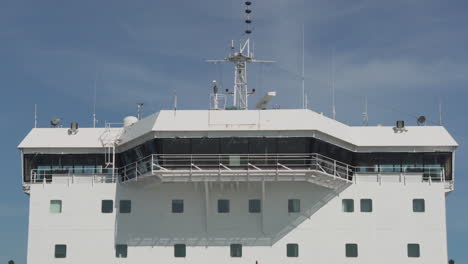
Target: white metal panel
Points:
(289, 121)
(321, 229)
(248, 123)
(60, 138)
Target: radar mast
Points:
(240, 58)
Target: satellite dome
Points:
(129, 120)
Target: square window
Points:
(107, 206)
(236, 250)
(223, 206)
(413, 251)
(292, 250)
(348, 205)
(419, 206)
(60, 251)
(351, 250)
(56, 206)
(294, 206)
(255, 206)
(121, 251)
(125, 206)
(179, 250)
(366, 205)
(177, 206)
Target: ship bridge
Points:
(238, 146)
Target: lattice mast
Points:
(240, 58)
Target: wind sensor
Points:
(241, 58)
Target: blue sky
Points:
(406, 56)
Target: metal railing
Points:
(71, 175)
(171, 163)
(228, 163)
(427, 173)
(138, 168)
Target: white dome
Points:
(129, 120)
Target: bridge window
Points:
(205, 146)
(56, 206)
(293, 145)
(390, 162)
(234, 145)
(175, 145)
(433, 166)
(38, 167)
(262, 146)
(412, 162)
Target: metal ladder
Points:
(109, 140)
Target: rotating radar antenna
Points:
(240, 58)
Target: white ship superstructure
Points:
(238, 186)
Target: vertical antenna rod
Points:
(94, 100)
(440, 112)
(365, 120)
(240, 59)
(304, 100)
(35, 115)
(333, 83)
(307, 101)
(175, 99)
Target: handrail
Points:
(277, 161)
(234, 162)
(45, 175)
(397, 169)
